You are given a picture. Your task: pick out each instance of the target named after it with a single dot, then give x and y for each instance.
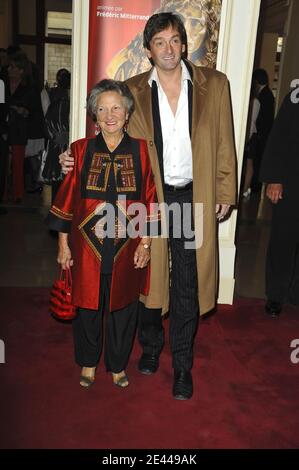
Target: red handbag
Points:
(61, 295)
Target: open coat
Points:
(214, 175)
(79, 209)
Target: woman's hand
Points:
(142, 254)
(64, 257)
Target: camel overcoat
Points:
(214, 175)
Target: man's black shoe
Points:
(183, 385)
(273, 308)
(148, 364)
(38, 189)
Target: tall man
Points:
(280, 170)
(184, 113)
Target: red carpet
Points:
(246, 388)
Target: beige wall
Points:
(290, 55)
(268, 54)
(59, 56)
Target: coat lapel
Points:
(144, 102)
(199, 97)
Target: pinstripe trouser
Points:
(184, 309)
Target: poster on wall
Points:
(116, 35)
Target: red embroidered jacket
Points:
(79, 209)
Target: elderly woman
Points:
(111, 170)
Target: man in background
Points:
(280, 170)
(264, 121)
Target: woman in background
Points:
(57, 129)
(19, 107)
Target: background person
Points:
(57, 129)
(280, 169)
(264, 120)
(250, 151)
(19, 101)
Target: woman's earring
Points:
(126, 125)
(97, 128)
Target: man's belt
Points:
(168, 187)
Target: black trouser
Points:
(150, 329)
(3, 166)
(55, 188)
(117, 335)
(282, 262)
(34, 167)
(184, 309)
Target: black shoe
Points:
(273, 308)
(293, 299)
(39, 189)
(182, 385)
(3, 211)
(148, 364)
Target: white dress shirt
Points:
(177, 151)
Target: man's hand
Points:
(66, 161)
(222, 210)
(20, 110)
(142, 255)
(274, 192)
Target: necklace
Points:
(112, 146)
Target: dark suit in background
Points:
(280, 164)
(264, 124)
(3, 136)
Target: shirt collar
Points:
(185, 75)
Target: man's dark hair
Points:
(63, 78)
(161, 21)
(13, 49)
(261, 77)
(21, 61)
